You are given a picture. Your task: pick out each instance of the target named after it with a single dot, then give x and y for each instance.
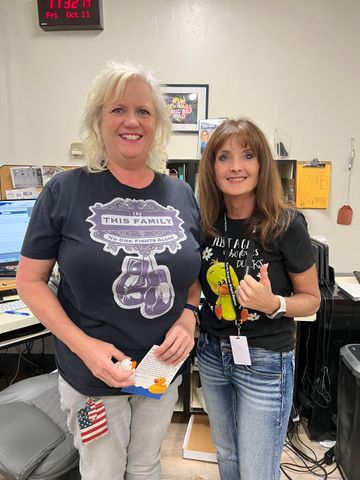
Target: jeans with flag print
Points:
(130, 450)
(248, 407)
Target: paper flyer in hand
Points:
(152, 377)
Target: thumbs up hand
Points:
(257, 295)
(264, 277)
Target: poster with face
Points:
(206, 129)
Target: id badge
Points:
(240, 350)
(92, 420)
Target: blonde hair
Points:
(271, 214)
(112, 82)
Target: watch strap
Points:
(281, 310)
(195, 311)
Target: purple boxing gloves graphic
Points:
(158, 296)
(145, 286)
(131, 285)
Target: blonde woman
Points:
(126, 239)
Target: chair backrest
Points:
(37, 401)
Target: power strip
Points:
(329, 456)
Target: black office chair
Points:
(35, 442)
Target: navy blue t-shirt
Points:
(127, 258)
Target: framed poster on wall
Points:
(187, 104)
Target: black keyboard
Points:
(9, 271)
(12, 306)
(7, 293)
(21, 332)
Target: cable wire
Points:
(310, 464)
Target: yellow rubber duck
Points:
(159, 385)
(216, 278)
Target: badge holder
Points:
(239, 344)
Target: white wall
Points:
(284, 63)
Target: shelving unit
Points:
(195, 400)
(192, 397)
(187, 170)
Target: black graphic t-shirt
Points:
(292, 252)
(127, 259)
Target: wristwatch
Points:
(280, 312)
(195, 311)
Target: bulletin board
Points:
(313, 184)
(26, 181)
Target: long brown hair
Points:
(271, 214)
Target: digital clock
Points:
(70, 14)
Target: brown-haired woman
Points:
(257, 274)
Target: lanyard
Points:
(240, 312)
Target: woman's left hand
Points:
(257, 295)
(179, 340)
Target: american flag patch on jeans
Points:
(92, 420)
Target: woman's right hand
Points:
(98, 357)
(257, 295)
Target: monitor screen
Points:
(14, 219)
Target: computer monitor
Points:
(14, 219)
(323, 267)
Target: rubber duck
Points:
(159, 385)
(216, 278)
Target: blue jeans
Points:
(248, 407)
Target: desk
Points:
(338, 324)
(7, 284)
(18, 330)
(15, 329)
(12, 322)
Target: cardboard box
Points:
(197, 442)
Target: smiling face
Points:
(205, 136)
(236, 171)
(128, 126)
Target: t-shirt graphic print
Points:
(142, 229)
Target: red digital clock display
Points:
(70, 14)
